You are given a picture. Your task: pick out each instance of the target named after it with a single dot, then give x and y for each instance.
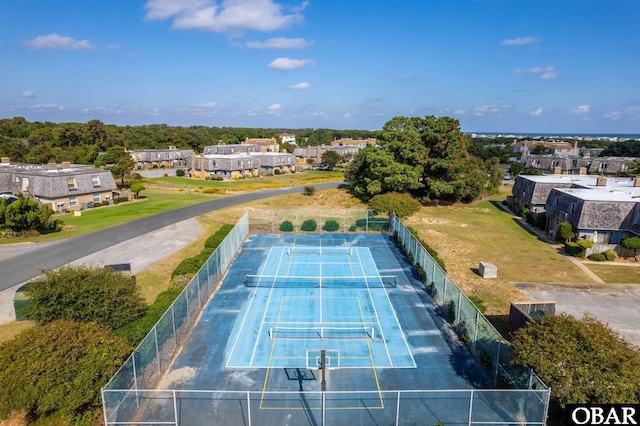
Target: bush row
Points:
(192, 265)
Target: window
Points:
(96, 197)
(73, 201)
(215, 164)
(249, 163)
(240, 163)
(71, 183)
(95, 180)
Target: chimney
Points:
(318, 152)
(601, 181)
(52, 166)
(202, 174)
(557, 170)
(582, 171)
(66, 165)
(5, 160)
(308, 151)
(193, 164)
(636, 182)
(575, 148)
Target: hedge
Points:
(331, 225)
(192, 265)
(432, 252)
(597, 257)
(286, 226)
(309, 225)
(574, 249)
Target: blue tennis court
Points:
(313, 297)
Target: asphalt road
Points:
(18, 269)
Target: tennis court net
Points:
(319, 251)
(279, 332)
(277, 281)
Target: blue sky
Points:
(541, 66)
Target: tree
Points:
(427, 157)
(331, 158)
(309, 190)
(58, 367)
(541, 150)
(25, 213)
(118, 161)
(136, 188)
(516, 168)
(403, 205)
(84, 294)
(583, 361)
(565, 231)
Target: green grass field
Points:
(618, 274)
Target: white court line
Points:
(399, 326)
(246, 314)
(373, 305)
(255, 347)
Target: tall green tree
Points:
(582, 361)
(25, 213)
(331, 158)
(118, 161)
(427, 157)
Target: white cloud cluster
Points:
(29, 94)
(286, 64)
(57, 42)
(280, 43)
(631, 112)
(233, 16)
(546, 73)
(536, 112)
(261, 112)
(299, 86)
(580, 110)
(489, 109)
(46, 107)
(520, 41)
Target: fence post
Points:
(495, 374)
(323, 408)
(475, 337)
(457, 320)
(104, 406)
(135, 378)
(155, 334)
(249, 407)
(175, 407)
(186, 298)
(470, 407)
(199, 298)
(173, 320)
(398, 410)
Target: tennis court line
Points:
(373, 363)
(246, 314)
(273, 346)
(375, 311)
(266, 309)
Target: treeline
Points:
(41, 142)
(623, 149)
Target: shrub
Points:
(58, 368)
(136, 188)
(105, 202)
(179, 172)
(565, 231)
(479, 303)
(331, 225)
(216, 239)
(402, 205)
(309, 225)
(119, 200)
(610, 255)
(192, 265)
(631, 243)
(84, 294)
(309, 190)
(585, 243)
(286, 226)
(574, 249)
(135, 331)
(597, 257)
(353, 228)
(277, 172)
(541, 221)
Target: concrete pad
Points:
(617, 305)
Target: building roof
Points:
(604, 194)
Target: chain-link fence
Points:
(482, 339)
(326, 220)
(152, 357)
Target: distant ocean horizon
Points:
(561, 135)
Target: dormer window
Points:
(71, 183)
(95, 180)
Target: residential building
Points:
(558, 149)
(231, 149)
(62, 187)
(265, 144)
(161, 158)
(354, 142)
(288, 138)
(242, 165)
(577, 165)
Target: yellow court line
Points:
(373, 364)
(273, 345)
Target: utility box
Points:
(488, 270)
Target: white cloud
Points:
(580, 110)
(263, 112)
(459, 112)
(275, 108)
(29, 94)
(537, 112)
(520, 41)
(57, 42)
(286, 64)
(280, 43)
(299, 86)
(46, 107)
(489, 109)
(227, 16)
(546, 73)
(632, 113)
(207, 105)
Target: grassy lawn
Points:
(465, 234)
(618, 274)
